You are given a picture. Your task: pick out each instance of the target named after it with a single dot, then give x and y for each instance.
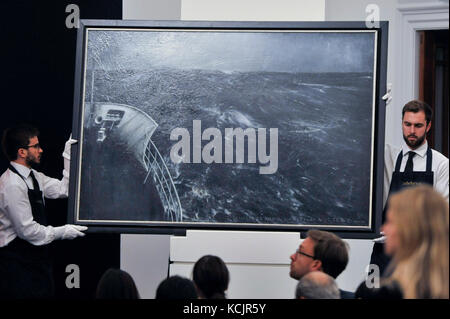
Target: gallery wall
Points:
(253, 10)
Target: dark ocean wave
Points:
(324, 124)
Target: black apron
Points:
(400, 180)
(25, 269)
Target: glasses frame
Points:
(36, 146)
(304, 254)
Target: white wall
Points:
(258, 262)
(253, 10)
(151, 9)
(146, 259)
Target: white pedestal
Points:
(146, 259)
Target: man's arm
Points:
(54, 188)
(18, 210)
(441, 179)
(389, 163)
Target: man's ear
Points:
(316, 265)
(428, 126)
(21, 153)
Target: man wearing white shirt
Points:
(25, 266)
(414, 162)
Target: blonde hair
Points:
(421, 260)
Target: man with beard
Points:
(25, 265)
(413, 163)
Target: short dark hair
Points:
(331, 250)
(211, 277)
(417, 106)
(15, 138)
(116, 284)
(176, 288)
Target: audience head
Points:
(211, 277)
(116, 284)
(417, 237)
(317, 285)
(176, 287)
(320, 251)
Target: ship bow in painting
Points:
(129, 130)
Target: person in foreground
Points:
(321, 251)
(417, 239)
(25, 264)
(317, 285)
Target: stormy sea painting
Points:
(316, 88)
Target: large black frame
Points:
(368, 231)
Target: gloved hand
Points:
(388, 96)
(66, 155)
(69, 231)
(381, 239)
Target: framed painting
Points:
(228, 125)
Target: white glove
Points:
(69, 231)
(388, 95)
(381, 239)
(66, 155)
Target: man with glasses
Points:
(320, 251)
(25, 267)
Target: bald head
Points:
(317, 285)
(320, 278)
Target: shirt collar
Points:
(421, 151)
(23, 170)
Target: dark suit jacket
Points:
(346, 294)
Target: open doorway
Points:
(433, 84)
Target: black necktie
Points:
(409, 164)
(35, 182)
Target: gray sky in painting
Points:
(232, 51)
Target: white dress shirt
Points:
(439, 166)
(16, 218)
